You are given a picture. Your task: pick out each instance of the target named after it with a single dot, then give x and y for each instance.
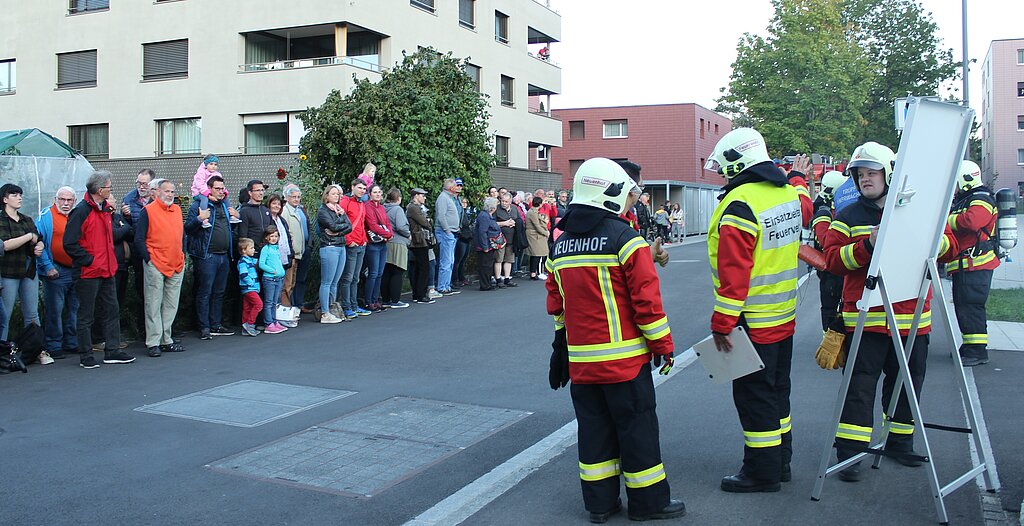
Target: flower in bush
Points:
(281, 174)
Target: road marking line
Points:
(986, 444)
(462, 504)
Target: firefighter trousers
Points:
(762, 402)
(877, 355)
(830, 288)
(618, 434)
(970, 293)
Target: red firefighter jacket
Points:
(604, 290)
(973, 220)
(848, 251)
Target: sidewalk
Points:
(1010, 273)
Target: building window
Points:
(501, 27)
(76, 70)
(501, 150)
(179, 136)
(426, 5)
(574, 165)
(266, 138)
(81, 6)
(577, 130)
(1020, 118)
(701, 165)
(92, 140)
(467, 13)
(507, 93)
(702, 128)
(616, 129)
(1020, 57)
(474, 75)
(165, 60)
(8, 76)
(716, 129)
(542, 152)
(1020, 156)
(1020, 89)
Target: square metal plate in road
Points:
(246, 403)
(366, 452)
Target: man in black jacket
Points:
(254, 215)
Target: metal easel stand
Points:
(938, 492)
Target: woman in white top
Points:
(677, 221)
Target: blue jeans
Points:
(271, 298)
(432, 276)
(332, 264)
(58, 293)
(446, 258)
(349, 291)
(211, 279)
(26, 290)
(376, 257)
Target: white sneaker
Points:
(45, 358)
(542, 276)
(329, 318)
(434, 294)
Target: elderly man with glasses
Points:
(58, 276)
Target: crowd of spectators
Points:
(367, 240)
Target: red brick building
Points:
(670, 141)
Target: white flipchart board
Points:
(933, 143)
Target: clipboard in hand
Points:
(725, 367)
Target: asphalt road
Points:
(77, 453)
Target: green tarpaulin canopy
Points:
(40, 164)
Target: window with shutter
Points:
(76, 70)
(81, 6)
(165, 60)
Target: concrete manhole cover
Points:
(366, 452)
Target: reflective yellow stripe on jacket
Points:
(602, 352)
(771, 296)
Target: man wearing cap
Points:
(448, 214)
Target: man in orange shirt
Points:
(160, 242)
(58, 276)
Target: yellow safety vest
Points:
(771, 298)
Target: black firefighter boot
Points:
(897, 443)
(852, 472)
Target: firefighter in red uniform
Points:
(753, 241)
(849, 244)
(973, 222)
(830, 286)
(604, 294)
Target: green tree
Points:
(422, 122)
(803, 86)
(900, 40)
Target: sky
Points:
(616, 53)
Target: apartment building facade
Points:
(123, 79)
(1002, 114)
(671, 142)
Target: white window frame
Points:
(1020, 156)
(1020, 57)
(619, 124)
(12, 76)
(542, 153)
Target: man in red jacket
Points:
(89, 241)
(604, 294)
(849, 244)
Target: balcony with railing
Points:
(312, 46)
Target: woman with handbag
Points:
(378, 231)
(487, 241)
(420, 241)
(332, 225)
(537, 234)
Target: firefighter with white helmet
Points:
(830, 286)
(753, 241)
(604, 294)
(973, 221)
(849, 244)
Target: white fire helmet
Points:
(873, 156)
(969, 176)
(602, 183)
(736, 151)
(830, 181)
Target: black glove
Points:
(668, 359)
(558, 370)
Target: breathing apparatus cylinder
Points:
(1006, 202)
